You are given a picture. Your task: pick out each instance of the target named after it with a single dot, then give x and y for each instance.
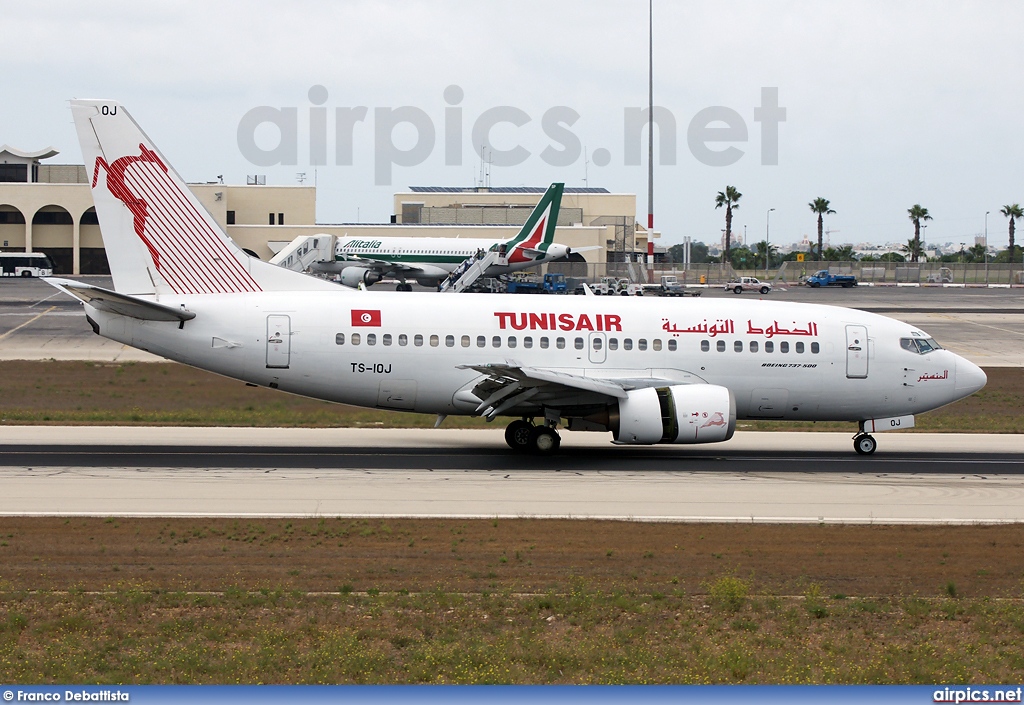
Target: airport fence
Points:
(793, 273)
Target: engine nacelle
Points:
(354, 276)
(682, 413)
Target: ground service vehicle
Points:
(826, 278)
(748, 284)
(25, 264)
(670, 286)
(675, 371)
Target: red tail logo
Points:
(188, 253)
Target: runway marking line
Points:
(14, 330)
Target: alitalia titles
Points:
(363, 244)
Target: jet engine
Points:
(684, 413)
(354, 276)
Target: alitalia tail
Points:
(676, 371)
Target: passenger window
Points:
(753, 346)
(705, 346)
(511, 341)
(481, 341)
(578, 343)
(656, 344)
(641, 344)
(403, 339)
(339, 339)
(496, 341)
(527, 342)
(627, 344)
(387, 339)
(449, 341)
(418, 340)
(784, 347)
(355, 339)
(544, 343)
(737, 346)
(720, 346)
(613, 343)
(371, 338)
(597, 343)
(800, 346)
(815, 348)
(769, 347)
(465, 341)
(560, 343)
(434, 340)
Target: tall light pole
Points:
(767, 247)
(986, 246)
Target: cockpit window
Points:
(919, 346)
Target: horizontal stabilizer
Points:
(121, 304)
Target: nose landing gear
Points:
(864, 444)
(523, 437)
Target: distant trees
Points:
(917, 213)
(764, 254)
(1012, 212)
(839, 254)
(821, 207)
(730, 198)
(698, 253)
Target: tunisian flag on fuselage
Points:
(366, 318)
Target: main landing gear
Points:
(404, 286)
(864, 444)
(523, 437)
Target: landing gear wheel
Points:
(544, 440)
(517, 435)
(738, 290)
(404, 287)
(864, 444)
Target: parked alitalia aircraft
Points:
(429, 260)
(662, 371)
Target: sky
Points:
(887, 104)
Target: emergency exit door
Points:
(279, 341)
(856, 352)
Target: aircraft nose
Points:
(969, 377)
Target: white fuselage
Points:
(809, 361)
(434, 257)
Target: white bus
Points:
(25, 264)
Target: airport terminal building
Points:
(48, 208)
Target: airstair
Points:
(469, 271)
(304, 251)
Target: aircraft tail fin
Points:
(159, 239)
(538, 232)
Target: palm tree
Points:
(977, 253)
(765, 253)
(917, 214)
(820, 206)
(1012, 212)
(730, 198)
(913, 248)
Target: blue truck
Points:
(552, 284)
(825, 278)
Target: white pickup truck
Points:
(748, 284)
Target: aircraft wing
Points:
(385, 266)
(509, 384)
(121, 304)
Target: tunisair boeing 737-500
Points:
(673, 370)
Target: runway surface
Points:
(756, 477)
